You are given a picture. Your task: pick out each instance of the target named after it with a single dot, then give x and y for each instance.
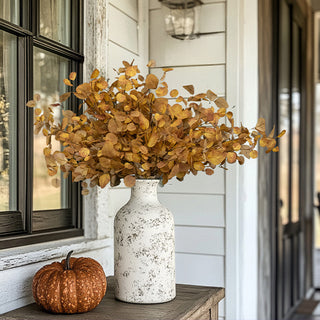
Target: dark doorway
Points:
(286, 180)
(292, 162)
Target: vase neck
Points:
(145, 190)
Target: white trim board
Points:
(241, 236)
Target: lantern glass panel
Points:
(182, 23)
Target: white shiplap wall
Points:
(128, 34)
(198, 203)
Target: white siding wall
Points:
(198, 203)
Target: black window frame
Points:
(28, 37)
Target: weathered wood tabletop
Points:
(191, 302)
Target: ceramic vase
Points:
(144, 252)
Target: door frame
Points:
(306, 136)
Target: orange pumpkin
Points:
(75, 285)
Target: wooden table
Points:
(191, 302)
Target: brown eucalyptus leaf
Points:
(162, 91)
(109, 151)
(261, 125)
(36, 97)
(143, 121)
(129, 181)
(271, 134)
(199, 166)
(211, 95)
(65, 96)
(209, 171)
(126, 64)
(174, 171)
(112, 126)
(60, 157)
(151, 64)
(85, 192)
(131, 127)
(189, 88)
(153, 139)
(152, 81)
(221, 103)
(112, 138)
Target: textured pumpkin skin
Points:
(79, 289)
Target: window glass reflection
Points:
(49, 71)
(8, 121)
(55, 22)
(284, 113)
(9, 10)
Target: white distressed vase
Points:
(144, 258)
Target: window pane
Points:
(296, 94)
(8, 121)
(284, 111)
(49, 72)
(55, 22)
(9, 10)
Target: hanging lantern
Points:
(182, 18)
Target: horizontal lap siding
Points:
(198, 203)
(123, 29)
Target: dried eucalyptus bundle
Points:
(137, 128)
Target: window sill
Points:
(20, 256)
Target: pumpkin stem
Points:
(68, 260)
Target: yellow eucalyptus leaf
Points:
(254, 154)
(95, 74)
(131, 71)
(121, 97)
(31, 103)
(174, 93)
(72, 76)
(215, 157)
(84, 152)
(67, 82)
(231, 157)
(104, 180)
